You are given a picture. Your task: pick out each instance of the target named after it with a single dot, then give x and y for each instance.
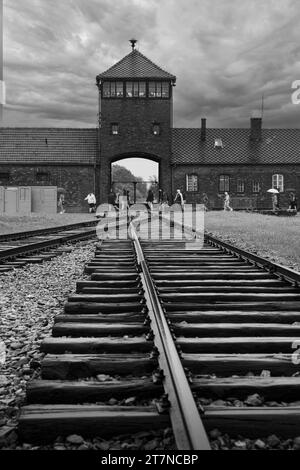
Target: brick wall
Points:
(77, 180)
(135, 118)
(208, 181)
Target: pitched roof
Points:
(276, 146)
(43, 145)
(80, 146)
(135, 65)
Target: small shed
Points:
(44, 199)
(15, 200)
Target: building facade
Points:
(136, 120)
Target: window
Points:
(4, 177)
(113, 90)
(42, 176)
(240, 186)
(218, 143)
(159, 90)
(278, 182)
(192, 183)
(255, 187)
(224, 183)
(156, 128)
(136, 89)
(114, 128)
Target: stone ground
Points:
(30, 299)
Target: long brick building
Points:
(136, 120)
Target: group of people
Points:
(119, 201)
(293, 203)
(122, 201)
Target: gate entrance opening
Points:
(135, 177)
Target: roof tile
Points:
(48, 145)
(135, 65)
(276, 146)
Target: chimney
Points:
(203, 129)
(256, 125)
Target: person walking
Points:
(111, 198)
(227, 203)
(293, 202)
(205, 201)
(150, 199)
(61, 204)
(179, 197)
(128, 198)
(91, 200)
(274, 202)
(160, 196)
(123, 200)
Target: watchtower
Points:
(135, 117)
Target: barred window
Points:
(278, 182)
(192, 183)
(114, 128)
(135, 89)
(240, 186)
(224, 183)
(159, 90)
(113, 90)
(255, 186)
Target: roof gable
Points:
(135, 65)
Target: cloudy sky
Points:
(225, 54)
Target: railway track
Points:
(36, 246)
(160, 335)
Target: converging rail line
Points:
(197, 331)
(36, 246)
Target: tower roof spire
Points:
(133, 43)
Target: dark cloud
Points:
(226, 55)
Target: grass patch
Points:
(13, 224)
(276, 238)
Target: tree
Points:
(122, 178)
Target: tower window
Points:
(192, 183)
(113, 90)
(224, 183)
(278, 183)
(159, 90)
(240, 186)
(136, 89)
(114, 128)
(156, 128)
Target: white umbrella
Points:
(273, 191)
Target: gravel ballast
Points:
(30, 299)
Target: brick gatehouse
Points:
(136, 120)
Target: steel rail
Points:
(40, 245)
(283, 272)
(186, 422)
(46, 231)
